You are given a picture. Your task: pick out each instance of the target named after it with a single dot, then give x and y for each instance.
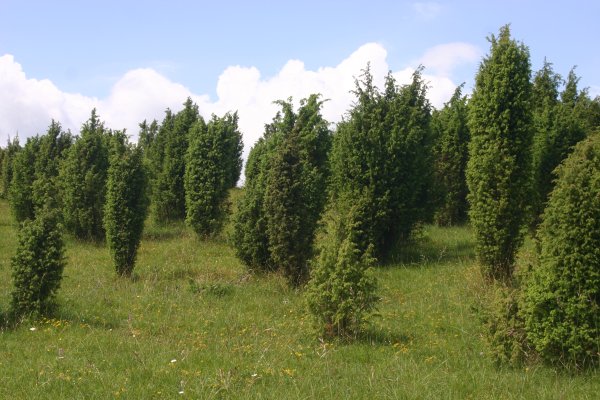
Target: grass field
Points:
(193, 324)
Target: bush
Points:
(341, 293)
(38, 265)
(504, 325)
(126, 203)
(562, 300)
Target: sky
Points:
(132, 60)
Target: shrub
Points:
(341, 293)
(562, 300)
(38, 265)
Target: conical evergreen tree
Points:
(206, 187)
(451, 155)
(169, 192)
(12, 148)
(250, 236)
(296, 189)
(499, 167)
(23, 176)
(53, 149)
(126, 203)
(83, 181)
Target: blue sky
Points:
(133, 59)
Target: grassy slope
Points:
(239, 336)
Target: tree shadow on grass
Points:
(378, 336)
(426, 250)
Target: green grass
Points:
(193, 320)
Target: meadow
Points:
(193, 323)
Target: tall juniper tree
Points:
(126, 202)
(206, 187)
(296, 189)
(83, 181)
(285, 191)
(12, 148)
(499, 167)
(451, 155)
(382, 151)
(169, 192)
(23, 176)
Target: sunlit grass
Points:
(192, 323)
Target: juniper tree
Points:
(83, 181)
(53, 149)
(562, 298)
(232, 159)
(250, 235)
(38, 264)
(296, 189)
(169, 192)
(341, 293)
(250, 231)
(499, 167)
(206, 186)
(382, 150)
(23, 176)
(451, 156)
(544, 105)
(126, 203)
(12, 148)
(154, 155)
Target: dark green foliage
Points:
(451, 153)
(23, 175)
(562, 300)
(83, 181)
(169, 192)
(383, 151)
(250, 233)
(53, 149)
(12, 148)
(296, 188)
(147, 135)
(126, 203)
(341, 293)
(286, 176)
(232, 160)
(559, 125)
(499, 167)
(206, 187)
(37, 265)
(544, 106)
(35, 173)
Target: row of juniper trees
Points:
(324, 207)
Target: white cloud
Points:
(444, 58)
(427, 10)
(27, 105)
